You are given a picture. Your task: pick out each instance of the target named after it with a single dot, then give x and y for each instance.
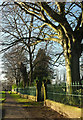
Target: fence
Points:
(27, 91)
(58, 93)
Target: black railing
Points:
(27, 91)
(58, 93)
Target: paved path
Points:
(14, 111)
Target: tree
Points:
(19, 28)
(42, 67)
(66, 20)
(15, 31)
(13, 69)
(24, 74)
(42, 71)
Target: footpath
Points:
(13, 110)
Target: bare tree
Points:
(18, 28)
(21, 28)
(65, 19)
(12, 66)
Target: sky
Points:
(1, 76)
(0, 46)
(1, 39)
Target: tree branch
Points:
(27, 11)
(58, 56)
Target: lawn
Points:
(25, 102)
(2, 96)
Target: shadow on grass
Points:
(25, 102)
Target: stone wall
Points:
(69, 111)
(28, 96)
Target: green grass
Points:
(9, 92)
(25, 102)
(2, 96)
(3, 92)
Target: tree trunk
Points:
(30, 53)
(72, 70)
(69, 76)
(17, 85)
(31, 67)
(39, 85)
(75, 68)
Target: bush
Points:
(14, 86)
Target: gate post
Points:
(44, 92)
(38, 91)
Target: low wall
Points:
(28, 96)
(66, 110)
(34, 98)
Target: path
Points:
(15, 111)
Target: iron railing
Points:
(58, 93)
(27, 91)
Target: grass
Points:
(25, 102)
(2, 96)
(9, 92)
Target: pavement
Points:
(13, 110)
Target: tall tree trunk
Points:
(68, 75)
(31, 66)
(17, 84)
(30, 53)
(72, 54)
(72, 70)
(75, 68)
